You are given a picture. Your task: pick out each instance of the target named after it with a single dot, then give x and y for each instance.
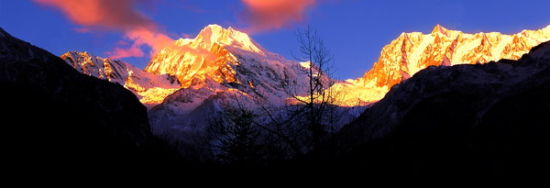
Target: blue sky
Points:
(354, 30)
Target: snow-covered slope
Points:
(222, 68)
(412, 52)
(151, 89)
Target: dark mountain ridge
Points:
(475, 119)
(54, 115)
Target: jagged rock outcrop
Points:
(151, 89)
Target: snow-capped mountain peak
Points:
(215, 34)
(209, 56)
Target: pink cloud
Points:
(274, 14)
(119, 15)
(112, 14)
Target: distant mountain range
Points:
(435, 102)
(214, 56)
(221, 68)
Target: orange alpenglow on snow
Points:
(412, 52)
(192, 61)
(210, 56)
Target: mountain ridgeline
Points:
(412, 52)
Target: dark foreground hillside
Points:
(468, 119)
(53, 115)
